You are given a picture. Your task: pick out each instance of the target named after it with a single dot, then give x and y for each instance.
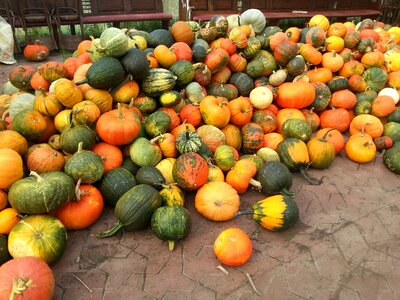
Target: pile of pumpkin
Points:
(135, 119)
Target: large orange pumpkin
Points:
(298, 94)
(214, 111)
(182, 32)
(11, 167)
(217, 201)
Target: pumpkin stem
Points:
(42, 91)
(171, 245)
(19, 286)
(323, 139)
(119, 107)
(4, 115)
(78, 192)
(117, 227)
(243, 212)
(286, 192)
(219, 267)
(80, 145)
(38, 177)
(310, 180)
(85, 80)
(255, 184)
(155, 139)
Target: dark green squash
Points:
(362, 107)
(338, 83)
(368, 95)
(268, 60)
(273, 178)
(394, 116)
(135, 63)
(375, 78)
(85, 165)
(184, 72)
(199, 53)
(128, 164)
(296, 128)
(243, 82)
(322, 96)
(252, 48)
(151, 176)
(134, 209)
(160, 37)
(158, 80)
(105, 73)
(227, 91)
(188, 141)
(40, 194)
(171, 223)
(255, 69)
(296, 66)
(115, 183)
(271, 30)
(75, 134)
(274, 213)
(157, 123)
(391, 159)
(4, 254)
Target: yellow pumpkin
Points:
(62, 119)
(11, 167)
(319, 20)
(8, 218)
(334, 43)
(392, 60)
(67, 92)
(13, 140)
(360, 148)
(101, 98)
(165, 167)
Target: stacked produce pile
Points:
(134, 120)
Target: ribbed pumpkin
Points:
(360, 148)
(182, 32)
(190, 171)
(101, 98)
(13, 140)
(134, 209)
(8, 218)
(47, 104)
(42, 236)
(188, 141)
(84, 165)
(45, 160)
(217, 201)
(321, 152)
(67, 92)
(29, 123)
(113, 42)
(20, 76)
(43, 193)
(85, 113)
(214, 111)
(212, 136)
(11, 167)
(366, 123)
(52, 70)
(295, 94)
(157, 81)
(274, 213)
(171, 223)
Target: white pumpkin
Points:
(21, 102)
(390, 92)
(233, 21)
(255, 18)
(8, 88)
(261, 97)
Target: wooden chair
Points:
(36, 13)
(67, 12)
(8, 14)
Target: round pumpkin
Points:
(26, 278)
(233, 247)
(295, 94)
(190, 171)
(11, 167)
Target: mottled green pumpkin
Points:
(225, 157)
(85, 165)
(39, 194)
(375, 78)
(73, 135)
(171, 223)
(296, 128)
(322, 96)
(391, 159)
(392, 130)
(151, 176)
(274, 178)
(144, 153)
(157, 123)
(188, 141)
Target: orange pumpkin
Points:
(214, 111)
(80, 74)
(343, 98)
(182, 51)
(8, 218)
(45, 159)
(332, 61)
(382, 106)
(190, 113)
(182, 32)
(233, 136)
(276, 39)
(3, 200)
(101, 98)
(338, 118)
(298, 94)
(357, 83)
(216, 59)
(311, 54)
(321, 74)
(212, 136)
(366, 123)
(110, 154)
(241, 111)
(217, 201)
(83, 46)
(337, 29)
(67, 92)
(293, 34)
(237, 62)
(37, 81)
(36, 51)
(233, 247)
(126, 92)
(360, 148)
(13, 140)
(334, 137)
(165, 56)
(272, 139)
(240, 175)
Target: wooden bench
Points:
(275, 10)
(116, 11)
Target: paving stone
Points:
(131, 288)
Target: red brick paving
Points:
(345, 246)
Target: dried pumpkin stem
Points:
(117, 227)
(19, 286)
(220, 267)
(255, 184)
(243, 212)
(253, 285)
(310, 180)
(38, 177)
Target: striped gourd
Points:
(158, 80)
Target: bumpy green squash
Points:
(134, 209)
(274, 213)
(73, 135)
(391, 159)
(171, 223)
(157, 123)
(144, 153)
(151, 176)
(39, 194)
(184, 72)
(113, 42)
(296, 128)
(157, 81)
(274, 178)
(188, 141)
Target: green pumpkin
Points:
(115, 183)
(170, 98)
(114, 42)
(366, 45)
(160, 37)
(157, 123)
(220, 23)
(392, 130)
(268, 60)
(129, 165)
(224, 157)
(151, 176)
(338, 83)
(105, 73)
(144, 153)
(85, 165)
(135, 63)
(296, 128)
(255, 69)
(274, 213)
(243, 82)
(375, 78)
(184, 72)
(394, 116)
(145, 104)
(368, 95)
(229, 92)
(157, 81)
(188, 141)
(75, 134)
(39, 194)
(322, 96)
(296, 65)
(391, 159)
(274, 178)
(4, 254)
(29, 123)
(171, 223)
(42, 236)
(252, 48)
(362, 107)
(134, 209)
(199, 53)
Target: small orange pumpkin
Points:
(360, 148)
(8, 218)
(214, 111)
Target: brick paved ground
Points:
(345, 246)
